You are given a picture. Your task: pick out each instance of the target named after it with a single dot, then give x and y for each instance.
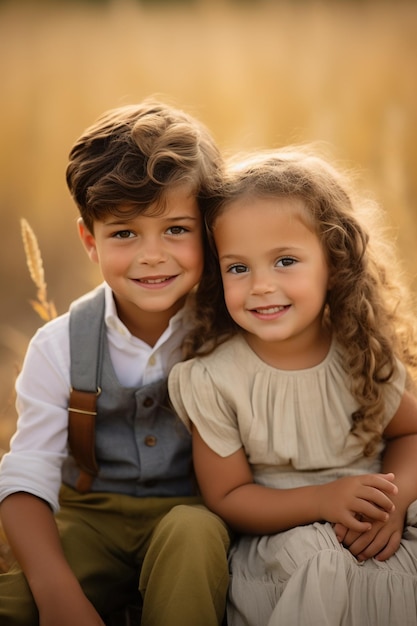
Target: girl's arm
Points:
(31, 530)
(400, 458)
(400, 455)
(228, 489)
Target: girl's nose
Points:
(262, 282)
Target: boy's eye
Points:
(238, 268)
(176, 230)
(123, 234)
(286, 261)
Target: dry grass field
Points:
(259, 74)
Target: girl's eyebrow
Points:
(231, 257)
(292, 249)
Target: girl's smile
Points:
(269, 312)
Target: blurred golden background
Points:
(258, 73)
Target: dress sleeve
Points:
(198, 400)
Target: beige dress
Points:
(295, 429)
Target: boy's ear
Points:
(88, 240)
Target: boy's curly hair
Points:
(133, 154)
(368, 309)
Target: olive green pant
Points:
(173, 549)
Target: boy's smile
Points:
(155, 283)
(151, 260)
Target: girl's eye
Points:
(239, 268)
(285, 262)
(123, 234)
(177, 230)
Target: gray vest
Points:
(141, 446)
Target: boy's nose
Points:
(151, 253)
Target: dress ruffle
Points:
(304, 577)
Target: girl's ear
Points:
(88, 240)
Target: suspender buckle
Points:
(81, 434)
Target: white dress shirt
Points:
(39, 445)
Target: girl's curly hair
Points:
(368, 309)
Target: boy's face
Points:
(151, 262)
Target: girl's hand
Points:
(380, 542)
(347, 500)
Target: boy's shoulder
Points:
(57, 329)
(95, 297)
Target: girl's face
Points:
(274, 272)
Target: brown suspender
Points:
(81, 435)
(87, 334)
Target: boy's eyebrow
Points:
(128, 220)
(181, 217)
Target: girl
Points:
(299, 400)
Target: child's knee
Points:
(194, 525)
(194, 542)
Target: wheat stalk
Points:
(44, 308)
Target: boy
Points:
(127, 508)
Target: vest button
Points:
(150, 441)
(148, 402)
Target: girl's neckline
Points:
(312, 368)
